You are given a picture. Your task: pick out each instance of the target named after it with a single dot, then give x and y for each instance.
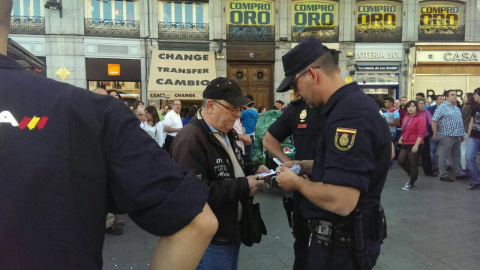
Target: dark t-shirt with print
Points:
(476, 123)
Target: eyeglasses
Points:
(292, 84)
(234, 111)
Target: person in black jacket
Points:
(68, 156)
(207, 147)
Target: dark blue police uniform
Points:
(67, 157)
(305, 125)
(354, 151)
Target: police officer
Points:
(69, 156)
(305, 125)
(342, 199)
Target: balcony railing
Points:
(250, 33)
(325, 34)
(27, 25)
(384, 35)
(188, 31)
(112, 28)
(446, 33)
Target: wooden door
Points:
(255, 79)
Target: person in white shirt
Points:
(153, 126)
(172, 123)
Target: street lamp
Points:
(54, 5)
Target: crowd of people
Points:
(445, 128)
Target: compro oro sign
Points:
(180, 74)
(250, 12)
(379, 15)
(307, 13)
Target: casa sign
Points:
(448, 56)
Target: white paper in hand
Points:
(266, 173)
(296, 168)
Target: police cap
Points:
(299, 58)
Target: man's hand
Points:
(306, 166)
(254, 184)
(262, 169)
(462, 138)
(287, 179)
(435, 137)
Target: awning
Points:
(25, 58)
(180, 74)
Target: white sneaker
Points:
(408, 187)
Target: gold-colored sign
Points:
(63, 73)
(250, 12)
(441, 15)
(308, 13)
(379, 15)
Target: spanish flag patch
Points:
(345, 138)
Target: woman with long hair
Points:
(153, 126)
(467, 108)
(413, 132)
(114, 93)
(190, 114)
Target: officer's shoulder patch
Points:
(345, 138)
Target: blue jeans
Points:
(473, 148)
(433, 150)
(220, 257)
(249, 148)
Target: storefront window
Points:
(182, 15)
(27, 8)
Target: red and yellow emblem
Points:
(345, 138)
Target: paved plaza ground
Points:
(436, 226)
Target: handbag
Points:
(251, 225)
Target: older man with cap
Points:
(342, 198)
(207, 147)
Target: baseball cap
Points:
(298, 58)
(226, 89)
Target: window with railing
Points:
(250, 20)
(441, 21)
(112, 18)
(315, 19)
(27, 17)
(378, 21)
(182, 20)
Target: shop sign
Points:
(315, 13)
(377, 68)
(113, 69)
(250, 12)
(378, 15)
(372, 52)
(448, 56)
(440, 16)
(180, 74)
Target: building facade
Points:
(159, 50)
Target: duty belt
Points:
(322, 231)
